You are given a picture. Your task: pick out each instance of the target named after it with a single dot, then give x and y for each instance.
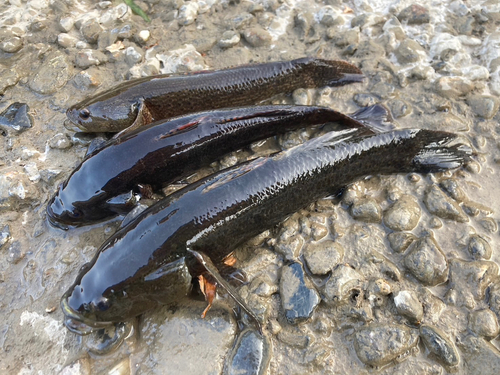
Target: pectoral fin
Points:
(144, 117)
(216, 279)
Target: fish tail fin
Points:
(441, 151)
(375, 117)
(332, 72)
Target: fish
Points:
(164, 152)
(152, 260)
(144, 100)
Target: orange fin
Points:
(209, 290)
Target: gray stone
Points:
(400, 241)
(133, 56)
(229, 39)
(342, 284)
(403, 215)
(367, 210)
(304, 21)
(453, 189)
(470, 280)
(257, 36)
(489, 224)
(124, 32)
(4, 235)
(408, 305)
(439, 204)
(60, 141)
(90, 30)
(484, 323)
(440, 345)
(241, 21)
(328, 16)
(377, 344)
(187, 13)
(15, 119)
(394, 26)
(89, 57)
(87, 79)
(12, 44)
(426, 262)
(453, 87)
(66, 24)
(289, 247)
(298, 300)
(485, 106)
(66, 40)
(414, 15)
(52, 75)
(251, 354)
(409, 51)
(479, 248)
(322, 257)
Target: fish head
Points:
(66, 210)
(98, 299)
(109, 115)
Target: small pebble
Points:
(251, 354)
(489, 224)
(414, 15)
(89, 57)
(12, 44)
(479, 248)
(440, 345)
(453, 189)
(367, 210)
(379, 344)
(132, 56)
(15, 119)
(365, 100)
(298, 300)
(14, 253)
(403, 215)
(409, 51)
(408, 305)
(90, 30)
(342, 285)
(188, 13)
(426, 261)
(66, 40)
(229, 39)
(485, 106)
(400, 241)
(322, 257)
(257, 37)
(66, 24)
(484, 323)
(60, 141)
(4, 235)
(439, 204)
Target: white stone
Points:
(476, 72)
(66, 23)
(444, 41)
(187, 13)
(66, 40)
(144, 35)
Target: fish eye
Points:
(84, 114)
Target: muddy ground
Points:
(401, 272)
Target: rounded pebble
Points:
(52, 75)
(229, 39)
(485, 106)
(400, 241)
(426, 261)
(479, 248)
(342, 284)
(322, 257)
(377, 345)
(439, 204)
(403, 215)
(440, 345)
(257, 36)
(484, 323)
(367, 210)
(408, 305)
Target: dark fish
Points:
(162, 153)
(144, 100)
(146, 263)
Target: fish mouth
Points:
(78, 324)
(71, 126)
(53, 220)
